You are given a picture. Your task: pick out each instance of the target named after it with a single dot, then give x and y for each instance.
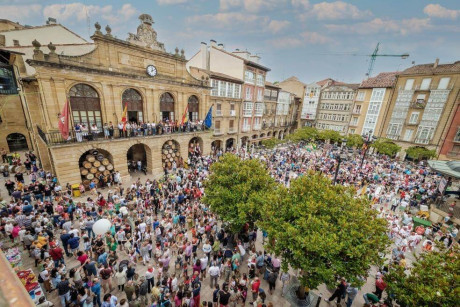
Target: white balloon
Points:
(101, 226)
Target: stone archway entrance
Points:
(217, 144)
(230, 144)
(139, 153)
(195, 147)
(16, 142)
(244, 141)
(170, 154)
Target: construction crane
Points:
(375, 54)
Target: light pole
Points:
(368, 139)
(340, 156)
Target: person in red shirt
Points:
(57, 254)
(255, 285)
(82, 257)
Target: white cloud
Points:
(20, 12)
(379, 25)
(311, 38)
(276, 26)
(230, 19)
(228, 4)
(169, 2)
(285, 42)
(438, 11)
(301, 3)
(315, 38)
(71, 11)
(337, 10)
(253, 6)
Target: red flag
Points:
(123, 116)
(64, 121)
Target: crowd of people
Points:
(166, 248)
(87, 132)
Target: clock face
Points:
(151, 70)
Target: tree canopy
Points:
(418, 153)
(354, 140)
(323, 230)
(304, 134)
(236, 189)
(386, 147)
(271, 143)
(331, 135)
(432, 281)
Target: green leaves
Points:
(236, 190)
(323, 230)
(433, 279)
(417, 153)
(271, 143)
(386, 147)
(354, 140)
(331, 135)
(304, 134)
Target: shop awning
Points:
(448, 168)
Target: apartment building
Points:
(244, 66)
(371, 104)
(270, 99)
(226, 101)
(423, 105)
(296, 87)
(335, 106)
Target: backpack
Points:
(40, 279)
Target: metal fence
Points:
(55, 138)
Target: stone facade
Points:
(113, 68)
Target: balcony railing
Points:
(246, 128)
(419, 104)
(217, 131)
(357, 112)
(231, 130)
(409, 123)
(352, 124)
(55, 138)
(393, 136)
(257, 127)
(218, 112)
(232, 113)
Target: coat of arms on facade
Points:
(146, 36)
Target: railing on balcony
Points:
(232, 113)
(231, 130)
(409, 123)
(218, 112)
(217, 131)
(353, 124)
(246, 128)
(421, 141)
(357, 112)
(55, 138)
(418, 104)
(257, 127)
(393, 136)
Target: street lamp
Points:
(340, 156)
(368, 139)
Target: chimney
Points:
(51, 21)
(220, 46)
(2, 40)
(16, 43)
(204, 55)
(213, 43)
(436, 63)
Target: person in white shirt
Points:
(214, 273)
(204, 264)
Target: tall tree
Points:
(236, 190)
(417, 153)
(331, 135)
(323, 230)
(354, 140)
(304, 134)
(433, 280)
(386, 147)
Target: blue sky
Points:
(310, 39)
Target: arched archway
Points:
(96, 165)
(195, 146)
(281, 135)
(262, 135)
(167, 107)
(16, 142)
(275, 134)
(269, 134)
(139, 152)
(217, 144)
(230, 144)
(133, 99)
(85, 105)
(193, 108)
(254, 136)
(170, 153)
(244, 141)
